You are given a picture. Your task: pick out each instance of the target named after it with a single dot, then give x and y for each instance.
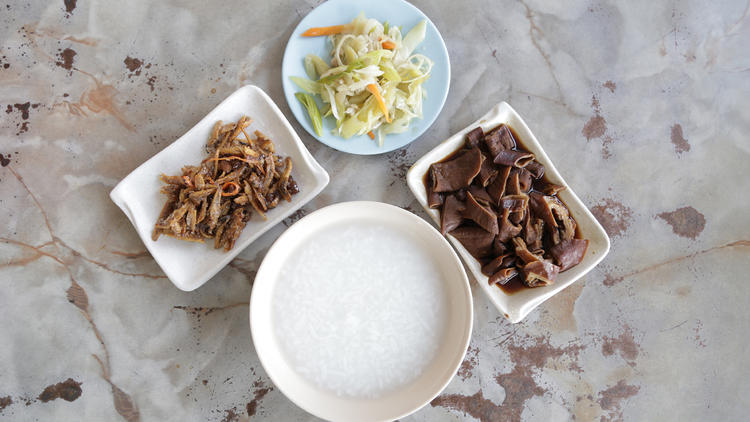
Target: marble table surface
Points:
(643, 106)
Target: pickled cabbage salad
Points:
(373, 82)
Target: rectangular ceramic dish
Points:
(188, 265)
(517, 305)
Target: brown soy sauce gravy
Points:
(515, 284)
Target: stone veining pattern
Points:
(643, 108)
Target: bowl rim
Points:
(517, 306)
(263, 283)
(345, 145)
(123, 199)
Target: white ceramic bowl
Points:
(393, 404)
(517, 305)
(188, 265)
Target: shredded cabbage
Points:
(368, 53)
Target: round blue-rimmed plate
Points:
(396, 12)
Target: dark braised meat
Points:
(524, 179)
(536, 169)
(480, 195)
(498, 204)
(503, 276)
(508, 230)
(545, 187)
(434, 199)
(496, 189)
(451, 216)
(513, 158)
(539, 273)
(569, 252)
(499, 139)
(474, 137)
(487, 172)
(484, 217)
(216, 199)
(476, 240)
(458, 172)
(506, 260)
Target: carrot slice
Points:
(371, 135)
(389, 45)
(324, 30)
(376, 92)
(235, 189)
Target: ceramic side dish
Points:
(271, 292)
(188, 265)
(517, 305)
(396, 12)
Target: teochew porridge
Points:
(493, 197)
(216, 199)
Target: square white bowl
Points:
(188, 265)
(515, 306)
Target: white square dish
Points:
(517, 305)
(188, 265)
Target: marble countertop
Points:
(644, 107)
